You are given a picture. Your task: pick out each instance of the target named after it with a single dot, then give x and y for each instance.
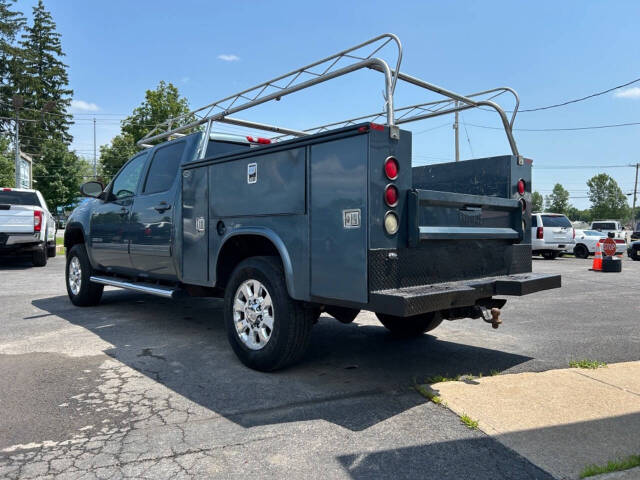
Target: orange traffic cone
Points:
(597, 259)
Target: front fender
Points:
(275, 239)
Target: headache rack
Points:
(350, 60)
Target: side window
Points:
(127, 180)
(534, 220)
(163, 169)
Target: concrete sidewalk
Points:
(561, 420)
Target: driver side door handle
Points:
(162, 207)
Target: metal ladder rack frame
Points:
(220, 111)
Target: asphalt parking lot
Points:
(142, 387)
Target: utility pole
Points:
(635, 195)
(17, 103)
(455, 128)
(95, 161)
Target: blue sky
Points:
(549, 51)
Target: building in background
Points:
(25, 171)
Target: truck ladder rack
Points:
(339, 64)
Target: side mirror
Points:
(91, 189)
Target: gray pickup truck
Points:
(332, 219)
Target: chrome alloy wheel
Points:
(253, 314)
(75, 275)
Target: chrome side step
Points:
(159, 290)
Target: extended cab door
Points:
(110, 219)
(152, 220)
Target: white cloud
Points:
(633, 92)
(82, 106)
(228, 57)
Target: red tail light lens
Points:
(391, 195)
(521, 187)
(391, 168)
(37, 220)
(540, 233)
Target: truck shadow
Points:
(353, 375)
(16, 262)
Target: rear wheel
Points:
(549, 255)
(81, 291)
(410, 326)
(40, 256)
(266, 328)
(635, 255)
(580, 251)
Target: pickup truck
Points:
(331, 219)
(609, 226)
(26, 226)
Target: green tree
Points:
(11, 23)
(43, 83)
(576, 214)
(536, 202)
(158, 106)
(607, 199)
(113, 156)
(59, 173)
(558, 200)
(7, 164)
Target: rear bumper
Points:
(19, 242)
(404, 302)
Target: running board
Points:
(153, 289)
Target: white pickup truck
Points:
(26, 226)
(609, 226)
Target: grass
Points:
(428, 393)
(469, 422)
(59, 241)
(612, 466)
(593, 364)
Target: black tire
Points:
(51, 251)
(40, 256)
(89, 293)
(549, 255)
(343, 314)
(292, 322)
(635, 255)
(410, 326)
(580, 251)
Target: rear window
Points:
(19, 198)
(534, 220)
(604, 225)
(216, 147)
(593, 233)
(555, 221)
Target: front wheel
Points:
(266, 328)
(81, 291)
(410, 326)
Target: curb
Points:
(60, 249)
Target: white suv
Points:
(551, 234)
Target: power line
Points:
(568, 102)
(594, 127)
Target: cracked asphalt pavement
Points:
(142, 387)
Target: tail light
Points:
(37, 220)
(391, 168)
(540, 233)
(391, 195)
(521, 187)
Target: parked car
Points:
(634, 250)
(635, 235)
(586, 240)
(551, 235)
(609, 226)
(26, 226)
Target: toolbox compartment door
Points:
(338, 210)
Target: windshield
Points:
(555, 221)
(604, 225)
(12, 197)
